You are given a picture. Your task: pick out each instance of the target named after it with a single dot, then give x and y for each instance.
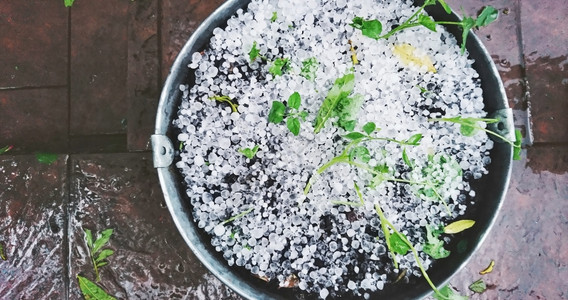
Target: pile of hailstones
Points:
(255, 209)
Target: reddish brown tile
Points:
(527, 242)
(143, 72)
(545, 38)
(553, 159)
(179, 20)
(99, 67)
(151, 260)
(34, 43)
(34, 119)
(32, 228)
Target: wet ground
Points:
(84, 82)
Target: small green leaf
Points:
(487, 16)
(478, 286)
(341, 88)
(104, 254)
(468, 127)
(303, 115)
(360, 153)
(274, 17)
(354, 136)
(91, 291)
(248, 152)
(406, 159)
(46, 158)
(102, 240)
(293, 125)
(467, 23)
(294, 100)
(489, 268)
(398, 244)
(369, 28)
(278, 66)
(458, 226)
(276, 114)
(448, 293)
(434, 246)
(68, 3)
(346, 125)
(369, 127)
(309, 68)
(445, 6)
(5, 149)
(414, 140)
(517, 147)
(226, 99)
(89, 238)
(101, 264)
(427, 22)
(254, 52)
(382, 168)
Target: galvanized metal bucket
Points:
(490, 189)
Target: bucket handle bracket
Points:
(162, 151)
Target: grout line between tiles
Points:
(67, 199)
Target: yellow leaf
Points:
(458, 226)
(409, 55)
(488, 269)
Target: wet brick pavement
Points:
(84, 82)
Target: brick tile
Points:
(545, 37)
(553, 159)
(32, 228)
(151, 260)
(34, 119)
(34, 43)
(143, 72)
(527, 241)
(99, 67)
(179, 20)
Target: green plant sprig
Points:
(249, 152)
(96, 251)
(373, 28)
(292, 113)
(470, 126)
(5, 149)
(240, 215)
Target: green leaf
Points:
(68, 3)
(294, 100)
(309, 68)
(448, 293)
(478, 286)
(369, 28)
(293, 125)
(398, 244)
(369, 127)
(248, 152)
(354, 136)
(226, 99)
(382, 168)
(254, 52)
(102, 240)
(487, 16)
(517, 147)
(342, 87)
(91, 291)
(360, 153)
(406, 160)
(458, 226)
(101, 264)
(434, 246)
(46, 158)
(467, 23)
(445, 6)
(103, 255)
(276, 114)
(274, 17)
(468, 127)
(278, 66)
(414, 140)
(5, 149)
(427, 22)
(303, 115)
(89, 238)
(347, 110)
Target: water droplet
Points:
(506, 11)
(180, 268)
(488, 37)
(504, 63)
